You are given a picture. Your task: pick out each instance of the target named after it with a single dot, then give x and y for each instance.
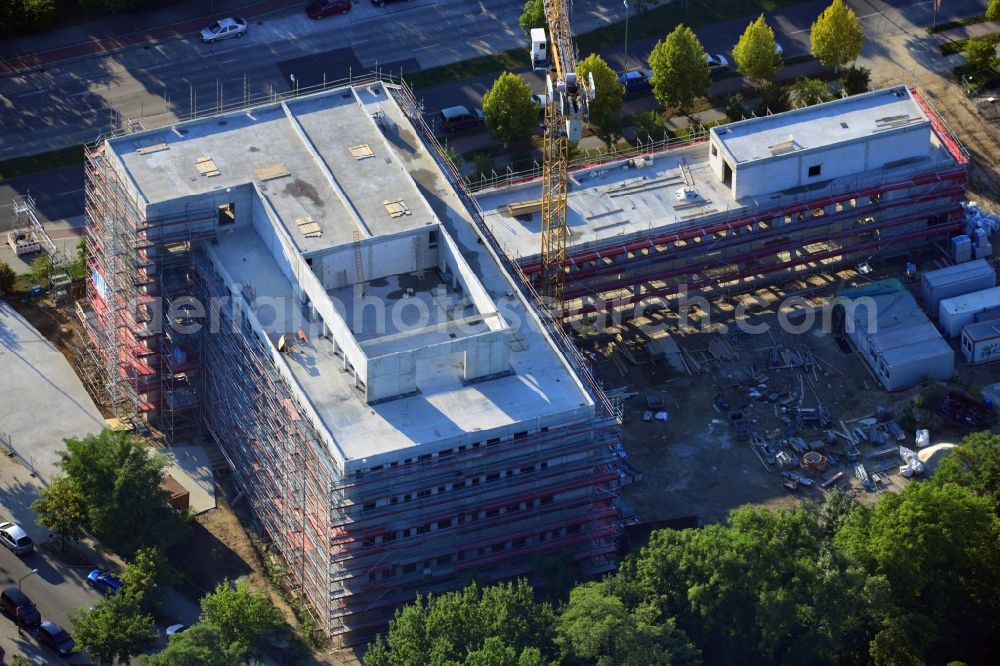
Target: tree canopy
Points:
(836, 37)
(114, 629)
(509, 112)
(533, 16)
(201, 644)
(118, 481)
(975, 465)
(756, 54)
(993, 10)
(806, 92)
(606, 107)
(470, 626)
(60, 507)
(913, 579)
(680, 69)
(243, 615)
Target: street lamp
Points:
(626, 35)
(30, 573)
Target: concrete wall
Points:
(782, 172)
(381, 257)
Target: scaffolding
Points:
(357, 540)
(123, 324)
(358, 544)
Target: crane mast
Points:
(566, 104)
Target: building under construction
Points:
(302, 280)
(765, 199)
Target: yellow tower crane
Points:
(566, 104)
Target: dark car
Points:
(104, 582)
(18, 606)
(383, 3)
(636, 80)
(322, 8)
(52, 636)
(460, 117)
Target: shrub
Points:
(736, 107)
(855, 79)
(773, 98)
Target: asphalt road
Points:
(56, 589)
(58, 195)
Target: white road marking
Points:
(68, 192)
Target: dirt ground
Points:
(695, 463)
(976, 122)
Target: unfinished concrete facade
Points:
(399, 416)
(764, 199)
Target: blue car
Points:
(636, 80)
(104, 582)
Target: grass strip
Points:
(958, 46)
(941, 27)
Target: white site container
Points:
(539, 52)
(935, 286)
(958, 311)
(981, 342)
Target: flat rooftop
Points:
(619, 201)
(821, 125)
(539, 390)
(320, 157)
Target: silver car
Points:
(224, 29)
(16, 539)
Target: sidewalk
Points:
(115, 32)
(967, 31)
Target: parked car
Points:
(383, 3)
(778, 50)
(15, 539)
(176, 629)
(104, 582)
(460, 117)
(636, 80)
(224, 29)
(717, 63)
(52, 636)
(322, 8)
(17, 605)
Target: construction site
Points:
(303, 282)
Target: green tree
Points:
(606, 107)
(119, 480)
(836, 37)
(501, 622)
(736, 108)
(756, 54)
(993, 10)
(806, 92)
(975, 465)
(773, 98)
(680, 70)
(41, 268)
(7, 279)
(61, 507)
(146, 576)
(20, 17)
(979, 52)
(114, 629)
(597, 628)
(201, 645)
(533, 16)
(510, 113)
(243, 615)
(855, 80)
(935, 545)
(762, 590)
